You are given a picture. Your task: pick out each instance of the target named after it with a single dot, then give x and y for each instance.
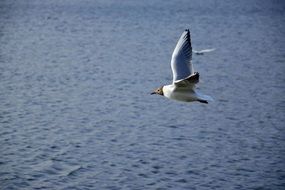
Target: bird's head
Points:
(158, 91)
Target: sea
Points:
(75, 106)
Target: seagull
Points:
(184, 77)
(201, 52)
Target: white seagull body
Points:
(184, 77)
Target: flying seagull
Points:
(201, 52)
(184, 77)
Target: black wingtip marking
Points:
(194, 78)
(188, 37)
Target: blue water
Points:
(75, 109)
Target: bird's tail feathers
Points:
(204, 98)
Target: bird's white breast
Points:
(181, 94)
(168, 90)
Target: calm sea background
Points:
(75, 109)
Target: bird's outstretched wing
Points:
(181, 58)
(188, 82)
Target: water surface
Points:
(75, 109)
